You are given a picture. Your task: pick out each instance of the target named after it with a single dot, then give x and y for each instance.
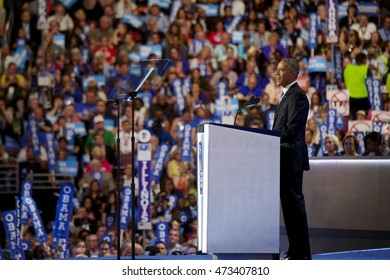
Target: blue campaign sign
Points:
(186, 150)
(146, 50)
(109, 124)
(338, 65)
(222, 88)
(144, 197)
(374, 93)
(232, 25)
(339, 122)
(135, 56)
(196, 46)
(331, 121)
(67, 167)
(125, 207)
(42, 15)
(99, 79)
(68, 3)
(162, 232)
(110, 220)
(63, 216)
(98, 175)
(163, 4)
(11, 232)
(172, 200)
(174, 8)
(76, 204)
(59, 40)
(36, 219)
(360, 136)
(20, 56)
(11, 144)
(332, 22)
(132, 20)
(26, 190)
(178, 91)
(26, 245)
(51, 155)
(313, 27)
(310, 150)
(160, 158)
(317, 64)
(32, 124)
(146, 98)
(184, 218)
(369, 8)
(106, 237)
(211, 10)
(19, 248)
(70, 135)
(203, 69)
(323, 133)
(77, 127)
(270, 118)
(187, 85)
(238, 37)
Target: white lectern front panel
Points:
(238, 186)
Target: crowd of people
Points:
(90, 39)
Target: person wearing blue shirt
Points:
(253, 87)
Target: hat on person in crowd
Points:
(361, 112)
(98, 118)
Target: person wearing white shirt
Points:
(238, 8)
(125, 137)
(62, 17)
(364, 27)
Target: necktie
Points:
(281, 97)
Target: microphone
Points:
(252, 101)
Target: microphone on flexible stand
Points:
(251, 102)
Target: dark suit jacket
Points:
(290, 120)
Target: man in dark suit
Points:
(290, 120)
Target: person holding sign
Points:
(290, 120)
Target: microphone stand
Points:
(252, 101)
(117, 99)
(132, 96)
(118, 187)
(238, 111)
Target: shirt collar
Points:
(285, 89)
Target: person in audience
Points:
(373, 145)
(332, 145)
(350, 145)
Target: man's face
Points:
(101, 107)
(162, 248)
(371, 145)
(363, 20)
(26, 16)
(192, 200)
(92, 241)
(104, 249)
(284, 75)
(387, 23)
(174, 236)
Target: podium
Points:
(238, 191)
